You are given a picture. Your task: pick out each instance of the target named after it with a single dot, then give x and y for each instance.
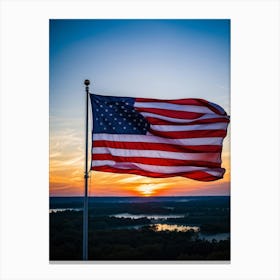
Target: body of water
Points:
(55, 210)
(180, 228)
(217, 236)
(150, 217)
(167, 227)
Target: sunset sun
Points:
(146, 189)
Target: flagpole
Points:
(85, 212)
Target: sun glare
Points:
(147, 189)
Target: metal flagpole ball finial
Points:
(87, 82)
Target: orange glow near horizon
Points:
(67, 175)
(71, 183)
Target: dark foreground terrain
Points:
(166, 228)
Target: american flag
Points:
(158, 138)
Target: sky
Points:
(165, 59)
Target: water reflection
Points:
(166, 227)
(217, 236)
(154, 217)
(55, 210)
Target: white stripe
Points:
(170, 106)
(154, 139)
(154, 168)
(214, 173)
(204, 117)
(211, 126)
(209, 157)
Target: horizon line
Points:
(135, 196)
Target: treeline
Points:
(215, 206)
(150, 245)
(107, 243)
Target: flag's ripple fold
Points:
(158, 138)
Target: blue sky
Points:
(166, 59)
(159, 58)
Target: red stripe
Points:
(157, 146)
(189, 134)
(171, 114)
(196, 175)
(205, 121)
(156, 161)
(187, 101)
(203, 176)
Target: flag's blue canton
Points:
(116, 115)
